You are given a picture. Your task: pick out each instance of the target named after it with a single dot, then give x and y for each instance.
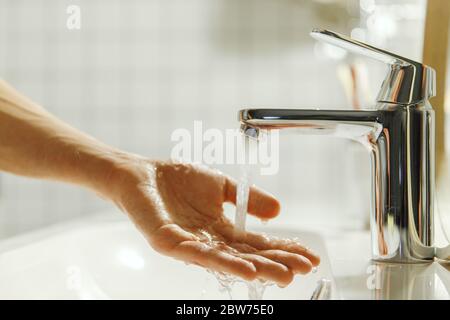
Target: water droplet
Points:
(314, 269)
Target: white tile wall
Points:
(139, 69)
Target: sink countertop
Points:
(359, 277)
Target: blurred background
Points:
(139, 69)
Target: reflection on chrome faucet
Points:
(399, 134)
(409, 282)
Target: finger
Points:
(260, 203)
(173, 241)
(269, 270)
(297, 263)
(208, 257)
(262, 242)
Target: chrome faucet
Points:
(399, 134)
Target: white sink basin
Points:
(109, 259)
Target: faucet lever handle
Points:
(408, 82)
(359, 47)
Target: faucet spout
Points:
(355, 125)
(400, 140)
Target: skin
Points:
(176, 206)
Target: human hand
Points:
(178, 208)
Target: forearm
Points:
(36, 144)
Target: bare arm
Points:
(177, 207)
(34, 143)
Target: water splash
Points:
(256, 288)
(226, 282)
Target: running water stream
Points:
(242, 195)
(256, 287)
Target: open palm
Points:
(179, 209)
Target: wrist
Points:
(114, 171)
(107, 170)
